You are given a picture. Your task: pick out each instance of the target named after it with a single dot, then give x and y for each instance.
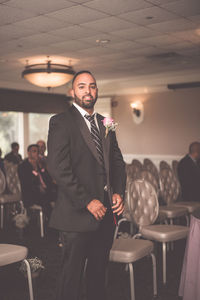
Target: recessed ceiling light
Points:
(103, 41)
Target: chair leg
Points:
(29, 279)
(164, 262)
(2, 215)
(132, 283)
(41, 224)
(155, 292)
(187, 220)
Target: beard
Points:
(82, 102)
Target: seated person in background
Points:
(42, 148)
(36, 184)
(13, 156)
(189, 174)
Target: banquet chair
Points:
(13, 194)
(145, 208)
(130, 250)
(169, 192)
(10, 254)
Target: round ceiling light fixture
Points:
(48, 75)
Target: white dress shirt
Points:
(83, 112)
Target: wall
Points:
(171, 122)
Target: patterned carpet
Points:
(13, 285)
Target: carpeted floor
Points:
(13, 284)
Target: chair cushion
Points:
(190, 205)
(129, 250)
(11, 253)
(10, 198)
(164, 233)
(173, 211)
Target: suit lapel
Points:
(85, 132)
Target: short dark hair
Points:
(79, 73)
(14, 144)
(193, 147)
(32, 145)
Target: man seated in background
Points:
(189, 173)
(36, 184)
(13, 156)
(42, 148)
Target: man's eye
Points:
(93, 87)
(81, 87)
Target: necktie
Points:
(96, 137)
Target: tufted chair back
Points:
(134, 169)
(2, 182)
(175, 167)
(170, 187)
(143, 202)
(148, 176)
(164, 165)
(149, 166)
(12, 178)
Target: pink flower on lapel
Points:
(109, 124)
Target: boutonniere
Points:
(109, 124)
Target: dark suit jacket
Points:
(189, 177)
(74, 163)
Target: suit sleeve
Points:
(118, 173)
(59, 164)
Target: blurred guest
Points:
(42, 148)
(14, 156)
(189, 173)
(36, 184)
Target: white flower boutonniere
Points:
(109, 124)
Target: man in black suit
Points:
(14, 156)
(189, 174)
(89, 170)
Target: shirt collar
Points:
(82, 111)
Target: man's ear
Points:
(71, 93)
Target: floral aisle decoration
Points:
(35, 265)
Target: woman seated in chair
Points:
(38, 189)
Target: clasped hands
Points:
(98, 210)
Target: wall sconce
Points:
(138, 111)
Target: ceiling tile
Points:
(108, 24)
(159, 40)
(74, 32)
(160, 2)
(71, 45)
(135, 32)
(188, 35)
(39, 6)
(114, 7)
(125, 46)
(39, 24)
(148, 16)
(77, 14)
(184, 7)
(95, 51)
(100, 37)
(10, 15)
(174, 25)
(10, 32)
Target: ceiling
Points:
(130, 45)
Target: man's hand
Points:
(97, 209)
(118, 205)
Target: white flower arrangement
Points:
(109, 124)
(35, 265)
